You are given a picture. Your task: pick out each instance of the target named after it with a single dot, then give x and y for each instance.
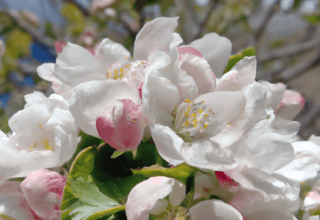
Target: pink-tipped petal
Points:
(291, 105)
(43, 190)
(60, 45)
(126, 130)
(225, 180)
(189, 50)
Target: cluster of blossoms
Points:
(236, 132)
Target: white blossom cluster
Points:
(237, 132)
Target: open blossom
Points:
(44, 135)
(150, 197)
(183, 114)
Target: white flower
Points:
(150, 195)
(43, 136)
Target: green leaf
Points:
(182, 172)
(313, 19)
(91, 200)
(234, 59)
(117, 154)
(96, 183)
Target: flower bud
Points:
(43, 190)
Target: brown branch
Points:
(271, 11)
(203, 24)
(295, 71)
(290, 51)
(309, 118)
(34, 33)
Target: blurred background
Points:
(285, 36)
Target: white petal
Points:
(155, 35)
(305, 164)
(241, 75)
(76, 65)
(281, 194)
(46, 71)
(270, 214)
(168, 143)
(208, 155)
(226, 106)
(12, 202)
(110, 52)
(144, 196)
(274, 93)
(216, 50)
(214, 209)
(94, 99)
(199, 69)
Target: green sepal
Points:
(234, 59)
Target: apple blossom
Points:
(149, 197)
(43, 136)
(43, 191)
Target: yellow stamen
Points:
(187, 101)
(186, 123)
(206, 125)
(200, 110)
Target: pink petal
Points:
(125, 131)
(189, 50)
(291, 105)
(225, 180)
(43, 190)
(60, 45)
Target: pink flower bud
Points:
(43, 191)
(124, 130)
(60, 45)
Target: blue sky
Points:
(44, 9)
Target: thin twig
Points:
(203, 24)
(295, 71)
(290, 51)
(309, 118)
(271, 11)
(34, 33)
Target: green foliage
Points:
(4, 121)
(91, 203)
(234, 59)
(94, 172)
(48, 30)
(182, 172)
(18, 44)
(313, 19)
(277, 43)
(74, 16)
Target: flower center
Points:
(191, 118)
(132, 72)
(174, 213)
